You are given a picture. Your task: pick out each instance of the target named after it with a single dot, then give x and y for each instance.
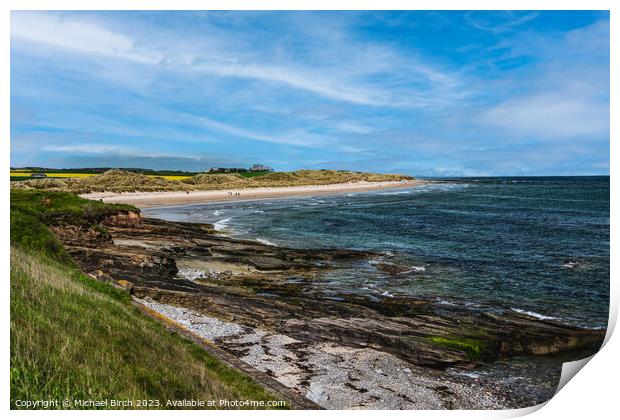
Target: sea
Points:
(536, 245)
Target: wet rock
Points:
(393, 269)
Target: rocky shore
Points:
(265, 305)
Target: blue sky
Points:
(421, 92)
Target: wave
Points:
(397, 192)
(467, 304)
(534, 314)
(429, 188)
(446, 302)
(414, 269)
(217, 213)
(544, 199)
(265, 242)
(222, 224)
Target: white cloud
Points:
(563, 95)
(113, 150)
(81, 36)
(502, 22)
(297, 137)
(550, 116)
(315, 83)
(341, 78)
(83, 148)
(353, 127)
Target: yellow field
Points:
(78, 175)
(54, 175)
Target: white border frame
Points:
(592, 394)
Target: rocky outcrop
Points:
(279, 289)
(128, 219)
(77, 235)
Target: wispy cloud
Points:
(115, 150)
(296, 79)
(81, 36)
(297, 138)
(550, 116)
(500, 22)
(91, 37)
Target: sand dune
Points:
(173, 198)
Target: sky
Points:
(445, 93)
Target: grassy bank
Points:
(73, 337)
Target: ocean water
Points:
(538, 245)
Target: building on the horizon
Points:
(259, 167)
(226, 170)
(254, 168)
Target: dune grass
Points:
(73, 337)
(253, 174)
(116, 180)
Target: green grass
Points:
(254, 174)
(32, 211)
(59, 207)
(73, 337)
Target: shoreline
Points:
(145, 200)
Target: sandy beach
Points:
(177, 198)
